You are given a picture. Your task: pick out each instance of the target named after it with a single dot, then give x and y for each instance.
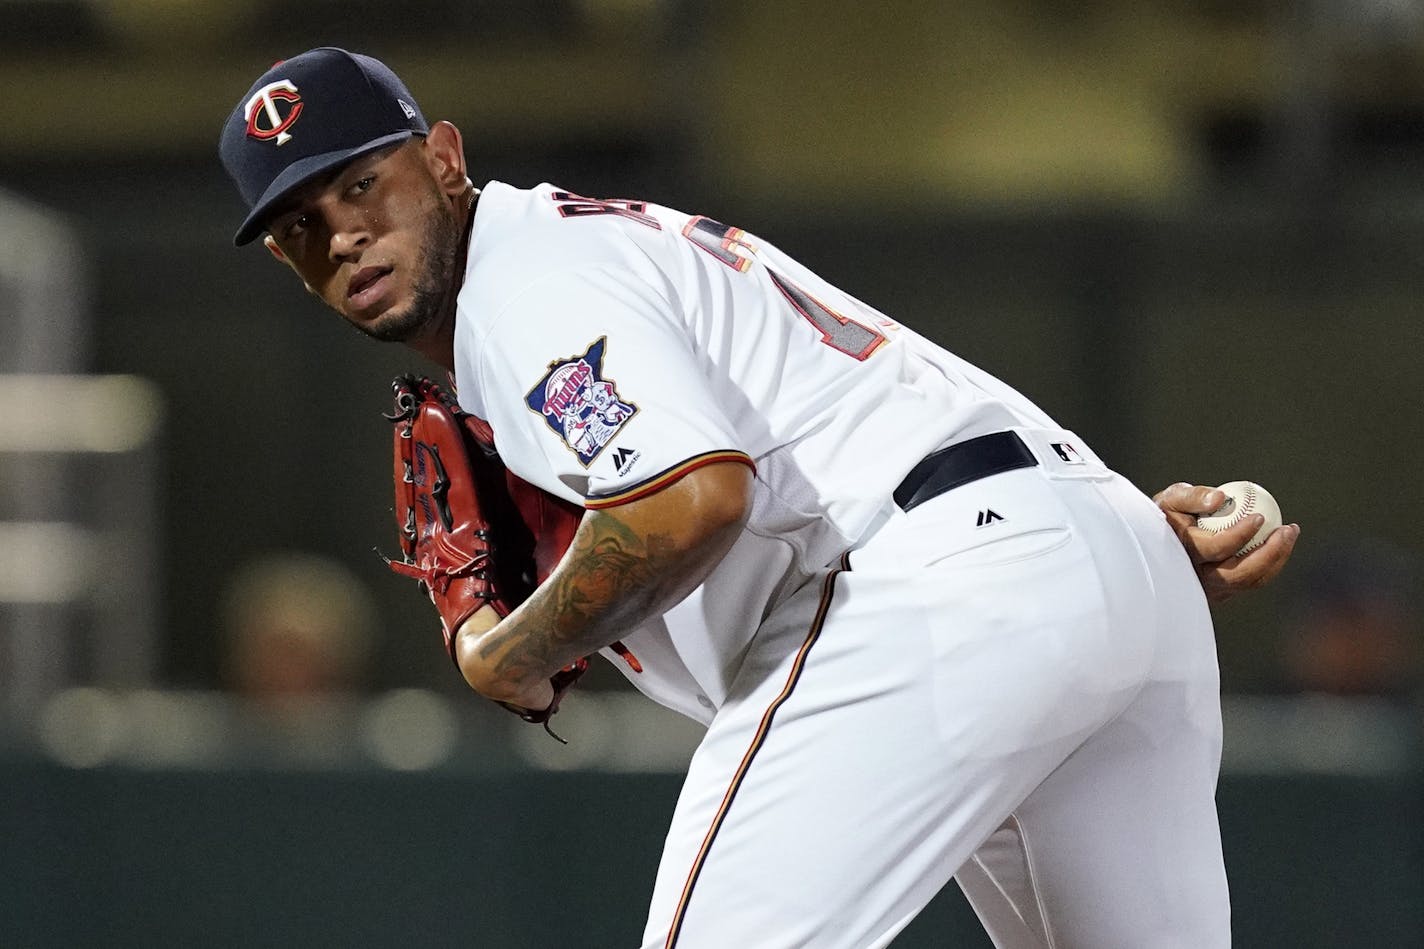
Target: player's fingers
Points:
(1185, 498)
(1208, 547)
(1181, 503)
(1225, 579)
(1263, 564)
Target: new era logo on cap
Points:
(307, 116)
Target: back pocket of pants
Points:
(1015, 548)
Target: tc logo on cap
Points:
(264, 103)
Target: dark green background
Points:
(118, 857)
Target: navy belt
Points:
(962, 463)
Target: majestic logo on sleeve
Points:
(263, 106)
(581, 407)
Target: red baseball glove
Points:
(471, 531)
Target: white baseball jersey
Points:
(614, 345)
(1013, 683)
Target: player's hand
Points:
(1222, 573)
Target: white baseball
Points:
(1243, 498)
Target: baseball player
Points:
(930, 632)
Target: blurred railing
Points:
(415, 729)
(400, 730)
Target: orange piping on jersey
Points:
(759, 739)
(659, 481)
(626, 654)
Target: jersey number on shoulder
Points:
(576, 205)
(729, 245)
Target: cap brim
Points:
(299, 173)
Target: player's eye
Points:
(296, 226)
(364, 184)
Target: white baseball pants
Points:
(1029, 705)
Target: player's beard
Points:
(432, 285)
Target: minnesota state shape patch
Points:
(579, 405)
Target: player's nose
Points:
(350, 235)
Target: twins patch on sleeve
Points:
(579, 405)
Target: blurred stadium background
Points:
(1193, 231)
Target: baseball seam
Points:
(1245, 507)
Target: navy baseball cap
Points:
(309, 115)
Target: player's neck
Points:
(438, 345)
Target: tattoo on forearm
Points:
(611, 576)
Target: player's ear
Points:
(445, 156)
(282, 258)
(271, 245)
